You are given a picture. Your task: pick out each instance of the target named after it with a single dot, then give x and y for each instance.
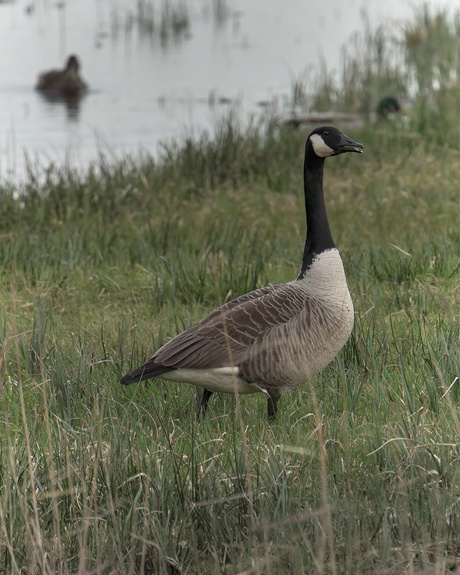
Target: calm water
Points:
(146, 87)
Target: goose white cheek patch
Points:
(322, 150)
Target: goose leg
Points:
(203, 405)
(272, 405)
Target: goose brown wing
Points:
(225, 336)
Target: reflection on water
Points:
(158, 69)
(70, 101)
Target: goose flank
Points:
(279, 336)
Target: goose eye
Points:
(326, 132)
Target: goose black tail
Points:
(149, 370)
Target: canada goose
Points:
(279, 336)
(66, 82)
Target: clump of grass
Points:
(418, 64)
(372, 66)
(173, 22)
(432, 42)
(371, 69)
(145, 17)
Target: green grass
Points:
(360, 472)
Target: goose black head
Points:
(328, 141)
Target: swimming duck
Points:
(66, 82)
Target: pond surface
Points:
(155, 75)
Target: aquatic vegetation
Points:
(417, 62)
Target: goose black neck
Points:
(319, 237)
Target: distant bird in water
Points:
(387, 106)
(279, 336)
(64, 83)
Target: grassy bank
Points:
(360, 472)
